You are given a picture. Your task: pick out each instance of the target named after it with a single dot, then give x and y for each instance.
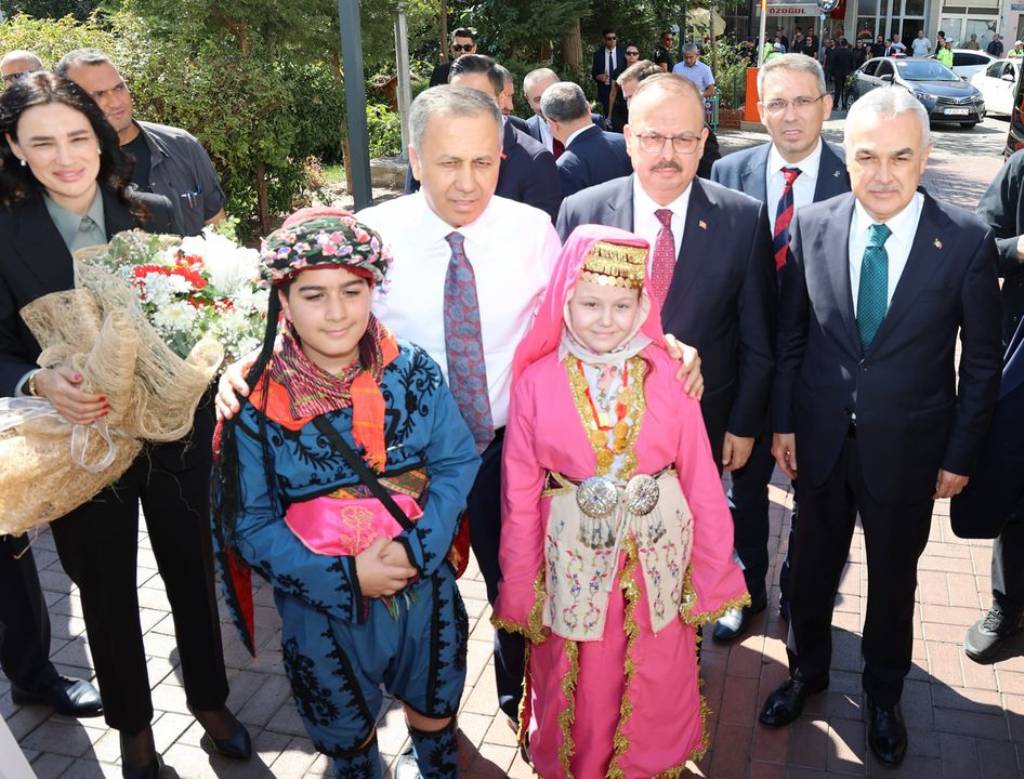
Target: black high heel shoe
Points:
(237, 746)
(148, 771)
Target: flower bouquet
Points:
(147, 325)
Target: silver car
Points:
(945, 96)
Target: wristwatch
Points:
(30, 385)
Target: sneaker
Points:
(988, 637)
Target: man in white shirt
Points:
(897, 46)
(877, 288)
(921, 46)
(795, 168)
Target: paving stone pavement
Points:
(966, 721)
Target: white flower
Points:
(160, 290)
(175, 317)
(229, 267)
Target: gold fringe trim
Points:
(637, 367)
(632, 630)
(702, 618)
(523, 733)
(568, 715)
(533, 630)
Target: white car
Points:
(998, 84)
(967, 62)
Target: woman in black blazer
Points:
(63, 184)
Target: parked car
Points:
(1015, 135)
(945, 96)
(998, 83)
(968, 62)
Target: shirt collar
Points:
(808, 165)
(434, 228)
(645, 205)
(903, 224)
(576, 133)
(68, 222)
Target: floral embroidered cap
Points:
(322, 237)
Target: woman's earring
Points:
(23, 163)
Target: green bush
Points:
(385, 131)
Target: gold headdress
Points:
(615, 265)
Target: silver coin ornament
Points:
(642, 493)
(597, 497)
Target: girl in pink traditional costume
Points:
(616, 540)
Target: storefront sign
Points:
(792, 9)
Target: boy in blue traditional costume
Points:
(341, 482)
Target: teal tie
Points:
(872, 293)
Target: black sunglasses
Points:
(632, 53)
(461, 47)
(611, 37)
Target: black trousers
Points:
(484, 507)
(895, 535)
(98, 547)
(1008, 565)
(24, 621)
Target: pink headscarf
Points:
(545, 334)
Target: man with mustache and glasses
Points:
(711, 260)
(795, 168)
(876, 288)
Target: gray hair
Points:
(564, 102)
(22, 54)
(538, 75)
(691, 48)
(797, 63)
(888, 103)
(78, 57)
(450, 101)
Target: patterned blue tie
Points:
(873, 290)
(464, 347)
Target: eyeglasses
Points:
(799, 104)
(467, 47)
(654, 143)
(611, 37)
(632, 53)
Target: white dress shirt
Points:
(897, 246)
(803, 187)
(512, 248)
(609, 61)
(647, 225)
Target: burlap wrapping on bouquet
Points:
(99, 329)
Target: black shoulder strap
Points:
(355, 462)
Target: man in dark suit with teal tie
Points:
(796, 168)
(877, 287)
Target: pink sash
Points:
(346, 526)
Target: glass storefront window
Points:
(913, 8)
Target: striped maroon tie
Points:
(783, 216)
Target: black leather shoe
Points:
(149, 771)
(735, 623)
(887, 733)
(237, 746)
(787, 703)
(70, 697)
(987, 639)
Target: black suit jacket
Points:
(34, 262)
(527, 174)
(911, 416)
(1002, 208)
(745, 172)
(519, 124)
(722, 298)
(843, 63)
(593, 157)
(597, 68)
(534, 122)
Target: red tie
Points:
(557, 147)
(664, 257)
(783, 216)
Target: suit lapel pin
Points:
(702, 224)
(835, 174)
(937, 243)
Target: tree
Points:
(53, 9)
